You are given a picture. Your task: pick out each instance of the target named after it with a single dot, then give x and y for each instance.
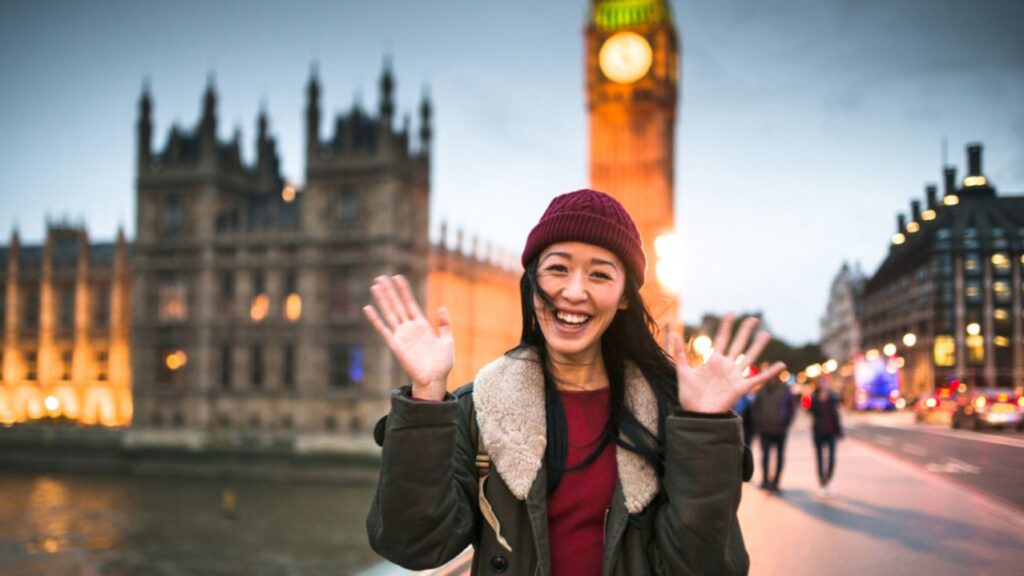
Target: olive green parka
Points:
(427, 507)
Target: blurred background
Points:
(200, 194)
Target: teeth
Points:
(572, 318)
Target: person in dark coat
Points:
(828, 427)
(773, 413)
(602, 454)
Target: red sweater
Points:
(576, 510)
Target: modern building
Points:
(632, 83)
(946, 303)
(65, 316)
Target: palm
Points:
(426, 357)
(719, 382)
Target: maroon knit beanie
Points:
(592, 217)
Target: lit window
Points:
(293, 307)
(1001, 288)
(913, 227)
(172, 295)
(1001, 314)
(976, 348)
(1001, 341)
(259, 307)
(944, 351)
(928, 215)
(1001, 262)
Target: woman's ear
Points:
(623, 303)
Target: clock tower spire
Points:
(632, 75)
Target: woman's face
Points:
(586, 285)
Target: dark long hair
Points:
(629, 337)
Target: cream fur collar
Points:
(508, 395)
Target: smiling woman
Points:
(609, 455)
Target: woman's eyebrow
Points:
(565, 255)
(598, 261)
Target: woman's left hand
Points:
(716, 385)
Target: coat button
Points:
(499, 564)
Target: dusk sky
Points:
(804, 126)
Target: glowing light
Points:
(259, 307)
(974, 329)
(901, 403)
(951, 200)
(702, 345)
(669, 268)
(52, 404)
(928, 215)
(889, 349)
(293, 307)
(913, 227)
(1000, 314)
(872, 354)
(813, 371)
(898, 238)
(288, 193)
(1001, 341)
(909, 339)
(831, 366)
(785, 376)
(801, 377)
(175, 360)
(1000, 260)
(975, 181)
(899, 362)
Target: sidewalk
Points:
(888, 518)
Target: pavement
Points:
(888, 517)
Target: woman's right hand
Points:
(426, 357)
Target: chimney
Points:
(901, 223)
(915, 210)
(930, 191)
(950, 182)
(974, 159)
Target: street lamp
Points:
(909, 339)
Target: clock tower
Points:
(632, 72)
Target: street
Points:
(890, 515)
(991, 461)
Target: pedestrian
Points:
(599, 452)
(773, 413)
(828, 427)
(744, 408)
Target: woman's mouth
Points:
(571, 320)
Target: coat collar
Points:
(508, 395)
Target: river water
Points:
(55, 524)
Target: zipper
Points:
(604, 533)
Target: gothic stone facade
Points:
(248, 292)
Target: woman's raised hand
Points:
(425, 356)
(718, 383)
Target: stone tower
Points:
(632, 76)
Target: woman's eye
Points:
(556, 268)
(601, 275)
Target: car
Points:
(936, 408)
(989, 407)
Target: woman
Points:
(827, 429)
(609, 456)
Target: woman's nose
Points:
(575, 288)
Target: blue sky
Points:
(804, 126)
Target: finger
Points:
(679, 353)
(408, 299)
(384, 302)
(396, 303)
(444, 323)
(724, 331)
(773, 371)
(760, 341)
(742, 336)
(371, 314)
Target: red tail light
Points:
(1003, 398)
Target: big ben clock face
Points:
(625, 57)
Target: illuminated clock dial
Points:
(625, 57)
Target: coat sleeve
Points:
(697, 530)
(424, 511)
